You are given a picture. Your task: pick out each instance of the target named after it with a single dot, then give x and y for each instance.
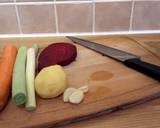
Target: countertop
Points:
(146, 115)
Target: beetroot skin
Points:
(57, 53)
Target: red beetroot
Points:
(57, 53)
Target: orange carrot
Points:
(6, 70)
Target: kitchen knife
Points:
(128, 59)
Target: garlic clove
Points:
(67, 94)
(76, 97)
(84, 89)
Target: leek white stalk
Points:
(36, 48)
(30, 75)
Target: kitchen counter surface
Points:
(146, 115)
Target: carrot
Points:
(6, 70)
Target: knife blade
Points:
(130, 60)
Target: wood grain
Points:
(124, 88)
(151, 43)
(146, 115)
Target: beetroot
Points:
(57, 53)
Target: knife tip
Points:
(71, 38)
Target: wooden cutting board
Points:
(112, 86)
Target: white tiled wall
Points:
(79, 16)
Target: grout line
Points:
(26, 3)
(67, 2)
(143, 32)
(45, 3)
(18, 18)
(105, 1)
(99, 1)
(56, 17)
(131, 16)
(93, 16)
(74, 2)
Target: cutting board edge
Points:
(111, 110)
(99, 113)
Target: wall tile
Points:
(32, 0)
(146, 15)
(37, 18)
(6, 1)
(48, 0)
(112, 16)
(75, 17)
(74, 0)
(8, 20)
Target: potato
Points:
(51, 82)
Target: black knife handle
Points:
(144, 67)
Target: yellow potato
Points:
(51, 82)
